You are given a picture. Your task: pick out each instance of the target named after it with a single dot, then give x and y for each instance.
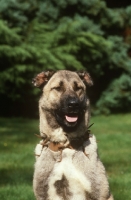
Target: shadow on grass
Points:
(16, 176)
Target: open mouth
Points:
(68, 119)
(71, 118)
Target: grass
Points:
(17, 160)
(114, 142)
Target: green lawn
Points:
(17, 155)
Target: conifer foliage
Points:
(36, 35)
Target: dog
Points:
(67, 165)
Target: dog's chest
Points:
(75, 177)
(67, 180)
(61, 180)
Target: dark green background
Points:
(37, 35)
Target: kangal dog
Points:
(67, 164)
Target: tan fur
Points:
(76, 177)
(50, 99)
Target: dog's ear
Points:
(85, 77)
(42, 78)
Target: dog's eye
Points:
(56, 88)
(78, 88)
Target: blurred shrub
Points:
(116, 97)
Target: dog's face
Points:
(64, 96)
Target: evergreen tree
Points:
(38, 35)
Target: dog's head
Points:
(64, 96)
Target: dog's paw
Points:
(38, 150)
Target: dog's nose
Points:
(73, 104)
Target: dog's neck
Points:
(78, 141)
(74, 143)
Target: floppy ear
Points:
(85, 77)
(42, 78)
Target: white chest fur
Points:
(76, 177)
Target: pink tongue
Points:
(71, 119)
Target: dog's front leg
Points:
(44, 166)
